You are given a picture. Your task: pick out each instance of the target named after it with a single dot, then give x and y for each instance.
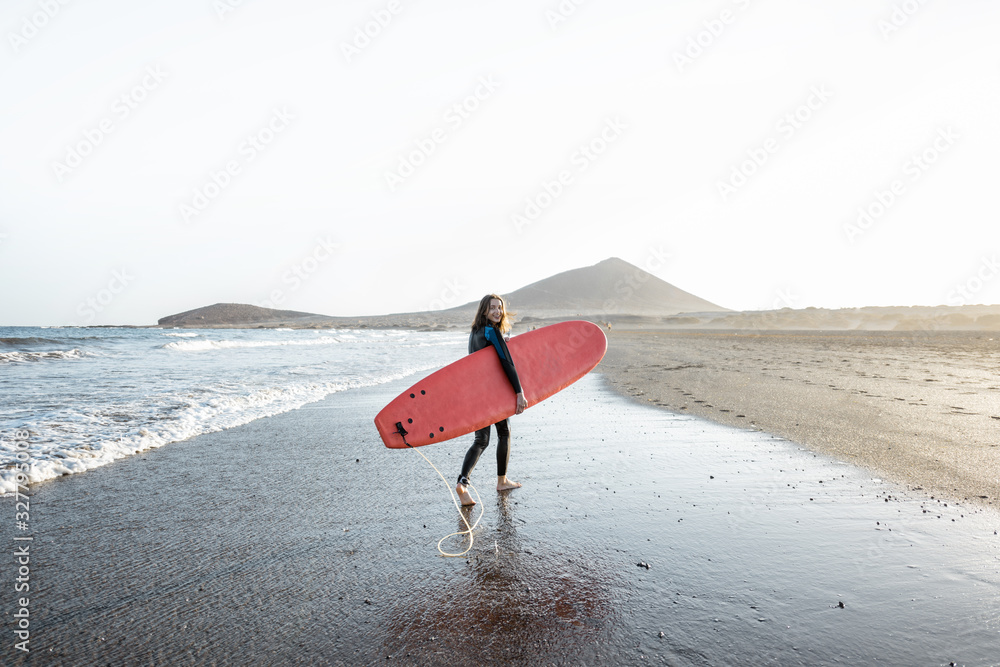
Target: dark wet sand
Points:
(300, 539)
(921, 408)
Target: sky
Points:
(382, 156)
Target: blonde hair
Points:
(481, 321)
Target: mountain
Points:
(607, 288)
(234, 314)
(613, 290)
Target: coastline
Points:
(919, 408)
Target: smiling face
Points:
(495, 312)
(492, 312)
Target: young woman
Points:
(488, 328)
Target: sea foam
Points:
(128, 392)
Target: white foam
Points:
(138, 391)
(20, 357)
(214, 410)
(201, 345)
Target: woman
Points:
(488, 328)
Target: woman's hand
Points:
(522, 404)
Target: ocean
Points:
(74, 399)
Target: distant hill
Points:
(245, 316)
(610, 287)
(233, 314)
(617, 292)
(869, 318)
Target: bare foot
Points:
(504, 484)
(463, 495)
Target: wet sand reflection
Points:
(507, 604)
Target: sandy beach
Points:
(921, 408)
(300, 539)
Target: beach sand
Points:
(921, 408)
(301, 539)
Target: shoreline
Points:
(893, 319)
(919, 408)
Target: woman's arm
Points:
(507, 363)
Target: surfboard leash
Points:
(479, 501)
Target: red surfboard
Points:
(474, 392)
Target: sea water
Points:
(72, 399)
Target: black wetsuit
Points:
(479, 339)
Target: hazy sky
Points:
(367, 157)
